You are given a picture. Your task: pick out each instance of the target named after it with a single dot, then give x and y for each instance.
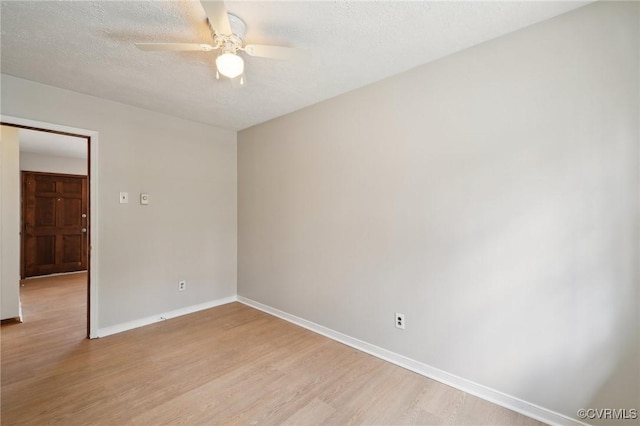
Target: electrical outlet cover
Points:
(399, 320)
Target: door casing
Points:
(92, 138)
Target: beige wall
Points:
(10, 223)
(188, 230)
(35, 162)
(491, 197)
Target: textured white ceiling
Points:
(87, 46)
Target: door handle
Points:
(84, 229)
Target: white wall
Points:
(35, 162)
(491, 197)
(188, 231)
(10, 223)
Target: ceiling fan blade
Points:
(218, 18)
(274, 52)
(174, 47)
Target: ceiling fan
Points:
(227, 31)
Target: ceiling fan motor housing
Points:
(230, 43)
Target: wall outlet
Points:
(399, 319)
(182, 285)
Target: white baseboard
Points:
(130, 325)
(84, 271)
(499, 398)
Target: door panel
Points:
(72, 252)
(45, 249)
(71, 212)
(45, 185)
(54, 223)
(45, 214)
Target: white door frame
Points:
(93, 205)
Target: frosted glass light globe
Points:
(230, 65)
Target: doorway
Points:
(61, 199)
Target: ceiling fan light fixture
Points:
(227, 34)
(230, 65)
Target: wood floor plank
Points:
(313, 413)
(228, 365)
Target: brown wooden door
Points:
(54, 219)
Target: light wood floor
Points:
(227, 365)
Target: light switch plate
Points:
(144, 198)
(124, 197)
